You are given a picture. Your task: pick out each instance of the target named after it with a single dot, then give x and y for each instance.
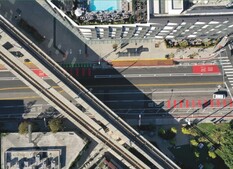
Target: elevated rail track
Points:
(90, 99)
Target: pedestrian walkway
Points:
(147, 53)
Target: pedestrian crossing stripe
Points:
(228, 72)
(228, 69)
(226, 63)
(227, 66)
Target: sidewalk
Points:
(150, 55)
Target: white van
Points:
(219, 96)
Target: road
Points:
(121, 94)
(144, 79)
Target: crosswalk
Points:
(227, 68)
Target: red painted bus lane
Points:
(205, 69)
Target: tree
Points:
(173, 130)
(115, 46)
(196, 153)
(55, 125)
(212, 154)
(162, 132)
(193, 142)
(23, 127)
(183, 44)
(231, 124)
(185, 130)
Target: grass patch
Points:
(223, 135)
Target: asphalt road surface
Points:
(169, 81)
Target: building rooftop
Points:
(45, 150)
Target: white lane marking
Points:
(230, 78)
(9, 78)
(158, 92)
(225, 60)
(157, 75)
(222, 57)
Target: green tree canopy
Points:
(212, 154)
(162, 131)
(185, 130)
(196, 153)
(55, 125)
(193, 142)
(231, 124)
(23, 127)
(173, 130)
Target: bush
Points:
(212, 154)
(193, 142)
(23, 127)
(55, 125)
